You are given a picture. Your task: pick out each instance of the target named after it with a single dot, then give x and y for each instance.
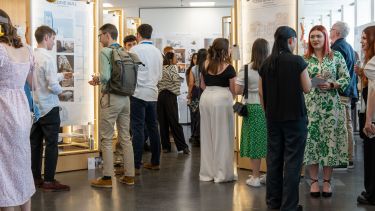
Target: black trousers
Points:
(195, 116)
(285, 149)
(168, 118)
(369, 168)
(47, 128)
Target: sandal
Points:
(314, 194)
(327, 194)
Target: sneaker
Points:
(101, 183)
(351, 165)
(54, 186)
(151, 166)
(186, 151)
(253, 182)
(127, 180)
(263, 179)
(119, 171)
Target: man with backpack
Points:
(118, 77)
(143, 102)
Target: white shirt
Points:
(253, 81)
(150, 73)
(46, 81)
(369, 71)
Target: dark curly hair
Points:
(10, 36)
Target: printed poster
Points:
(73, 23)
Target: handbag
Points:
(240, 107)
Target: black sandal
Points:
(314, 194)
(327, 194)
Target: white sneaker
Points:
(253, 182)
(263, 179)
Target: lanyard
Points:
(147, 43)
(115, 45)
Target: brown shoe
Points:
(127, 180)
(54, 186)
(119, 171)
(137, 171)
(38, 182)
(151, 166)
(101, 183)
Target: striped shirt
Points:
(170, 80)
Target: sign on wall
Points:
(73, 23)
(260, 19)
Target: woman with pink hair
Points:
(326, 140)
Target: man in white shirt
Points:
(46, 89)
(143, 102)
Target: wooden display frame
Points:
(120, 13)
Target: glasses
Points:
(332, 29)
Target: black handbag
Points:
(239, 107)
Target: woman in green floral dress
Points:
(326, 141)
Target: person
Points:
(338, 33)
(326, 140)
(129, 42)
(193, 62)
(16, 64)
(46, 90)
(114, 108)
(367, 126)
(167, 110)
(194, 93)
(286, 119)
(217, 118)
(143, 102)
(168, 49)
(254, 132)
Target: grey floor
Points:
(176, 187)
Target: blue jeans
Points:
(143, 114)
(285, 149)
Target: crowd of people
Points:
(298, 111)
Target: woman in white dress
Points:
(217, 118)
(16, 179)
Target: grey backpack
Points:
(124, 72)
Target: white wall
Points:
(187, 29)
(184, 20)
(131, 11)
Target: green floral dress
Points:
(326, 141)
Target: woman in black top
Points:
(283, 81)
(194, 95)
(217, 119)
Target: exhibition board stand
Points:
(76, 50)
(260, 19)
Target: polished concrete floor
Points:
(176, 188)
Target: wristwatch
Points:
(332, 85)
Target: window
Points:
(363, 12)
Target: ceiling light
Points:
(107, 5)
(202, 4)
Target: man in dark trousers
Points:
(338, 33)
